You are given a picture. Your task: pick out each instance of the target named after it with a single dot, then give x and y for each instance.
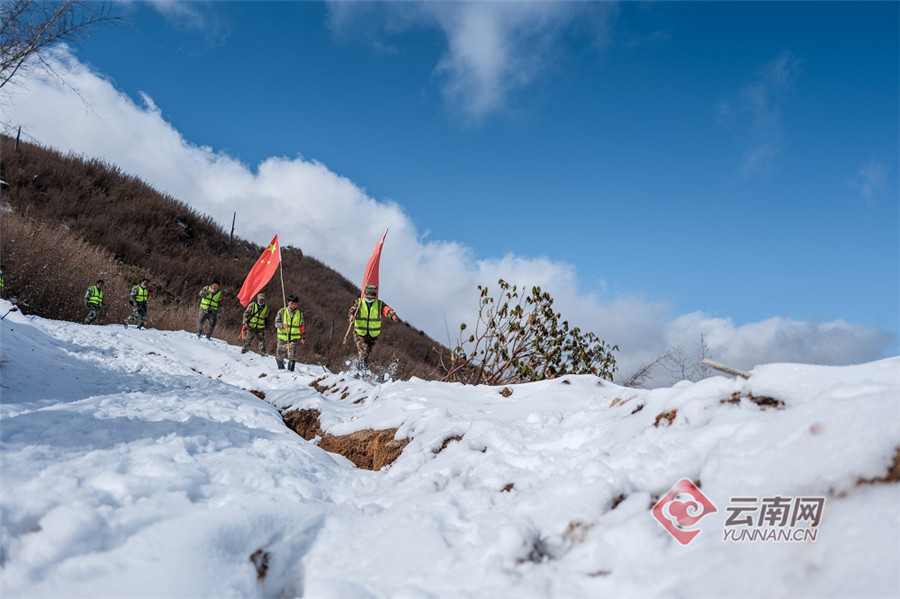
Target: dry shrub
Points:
(48, 270)
(521, 338)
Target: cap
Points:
(371, 290)
(293, 298)
(260, 296)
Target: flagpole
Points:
(281, 272)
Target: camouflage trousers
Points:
(287, 350)
(364, 345)
(93, 313)
(249, 335)
(207, 315)
(139, 313)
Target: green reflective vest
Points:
(140, 294)
(292, 323)
(95, 296)
(258, 315)
(368, 318)
(211, 300)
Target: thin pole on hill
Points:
(231, 239)
(281, 272)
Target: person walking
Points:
(93, 299)
(2, 281)
(140, 294)
(210, 296)
(365, 315)
(255, 320)
(289, 323)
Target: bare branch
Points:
(727, 369)
(28, 28)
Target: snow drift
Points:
(151, 463)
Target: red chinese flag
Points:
(261, 272)
(372, 266)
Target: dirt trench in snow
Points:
(369, 449)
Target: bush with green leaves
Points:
(519, 338)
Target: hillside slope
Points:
(137, 463)
(68, 221)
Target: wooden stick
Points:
(725, 369)
(350, 325)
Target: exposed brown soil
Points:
(447, 442)
(260, 561)
(891, 476)
(668, 417)
(320, 388)
(577, 531)
(760, 400)
(368, 449)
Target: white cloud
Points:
(871, 180)
(755, 113)
(775, 340)
(432, 284)
(494, 49)
(197, 17)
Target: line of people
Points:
(365, 317)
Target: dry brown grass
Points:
(52, 268)
(69, 221)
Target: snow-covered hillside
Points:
(144, 463)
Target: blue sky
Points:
(737, 160)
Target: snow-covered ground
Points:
(139, 463)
